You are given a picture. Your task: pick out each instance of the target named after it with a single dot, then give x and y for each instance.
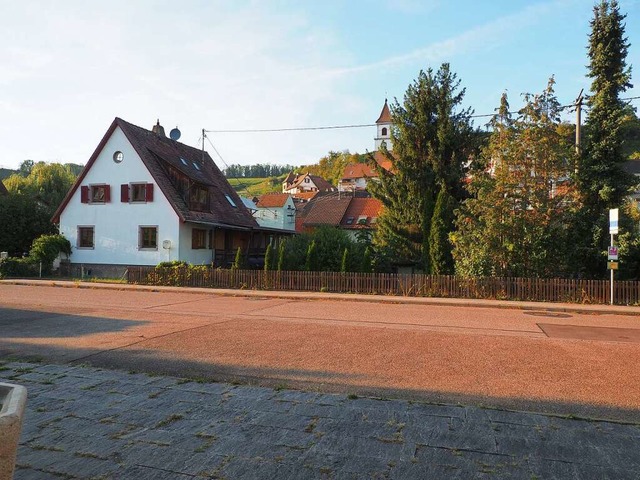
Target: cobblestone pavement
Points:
(85, 422)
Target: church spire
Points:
(383, 125)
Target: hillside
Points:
(254, 187)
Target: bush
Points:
(19, 267)
(46, 248)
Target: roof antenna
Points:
(203, 137)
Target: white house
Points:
(144, 198)
(276, 210)
(300, 183)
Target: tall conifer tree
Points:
(432, 138)
(601, 179)
(603, 182)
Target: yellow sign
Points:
(612, 266)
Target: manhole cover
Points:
(548, 314)
(606, 334)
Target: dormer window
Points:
(199, 198)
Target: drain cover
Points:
(605, 334)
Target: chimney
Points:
(158, 129)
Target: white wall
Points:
(274, 217)
(116, 223)
(200, 256)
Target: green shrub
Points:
(19, 267)
(46, 249)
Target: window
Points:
(95, 194)
(384, 132)
(98, 194)
(148, 238)
(199, 198)
(230, 200)
(350, 220)
(198, 238)
(118, 157)
(197, 167)
(184, 162)
(136, 192)
(85, 237)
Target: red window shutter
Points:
(84, 194)
(107, 193)
(149, 192)
(124, 193)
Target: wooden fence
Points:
(528, 289)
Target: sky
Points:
(68, 67)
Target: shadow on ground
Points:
(154, 363)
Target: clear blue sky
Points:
(69, 67)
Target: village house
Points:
(349, 213)
(144, 198)
(275, 210)
(296, 183)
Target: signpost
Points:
(613, 250)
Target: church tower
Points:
(383, 124)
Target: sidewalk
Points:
(454, 302)
(90, 423)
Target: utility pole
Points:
(578, 120)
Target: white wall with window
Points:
(194, 243)
(124, 226)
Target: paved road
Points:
(82, 422)
(572, 363)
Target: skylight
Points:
(196, 165)
(230, 200)
(184, 162)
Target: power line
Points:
(227, 167)
(292, 129)
(360, 125)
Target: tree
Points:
(311, 263)
(237, 262)
(442, 223)
(48, 183)
(432, 138)
(27, 220)
(25, 168)
(516, 222)
(344, 266)
(281, 254)
(602, 182)
(268, 258)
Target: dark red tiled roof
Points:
(385, 114)
(358, 170)
(382, 160)
(272, 200)
(326, 210)
(158, 153)
(365, 208)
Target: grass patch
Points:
(170, 419)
